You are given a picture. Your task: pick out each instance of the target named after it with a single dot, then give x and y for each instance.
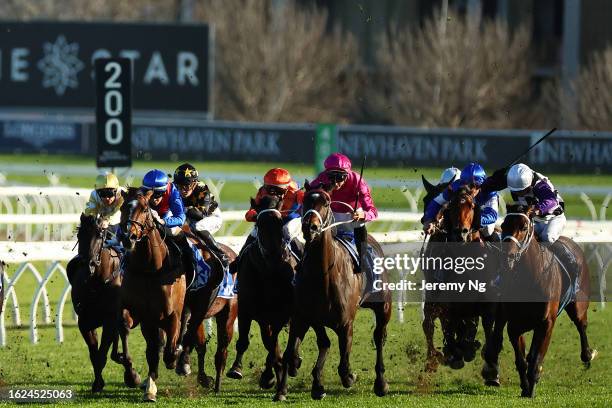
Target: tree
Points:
(453, 72)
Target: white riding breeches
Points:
(291, 230)
(211, 223)
(550, 229)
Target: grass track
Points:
(564, 381)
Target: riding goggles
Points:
(336, 176)
(107, 192)
(275, 190)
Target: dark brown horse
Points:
(96, 284)
(265, 272)
(534, 270)
(203, 303)
(328, 293)
(153, 289)
(433, 310)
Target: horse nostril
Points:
(133, 236)
(464, 231)
(313, 227)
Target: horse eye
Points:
(524, 228)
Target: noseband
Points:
(525, 243)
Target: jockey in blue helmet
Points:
(488, 202)
(166, 200)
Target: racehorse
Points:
(153, 289)
(328, 293)
(534, 270)
(433, 310)
(96, 282)
(464, 228)
(203, 303)
(265, 272)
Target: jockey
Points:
(346, 187)
(105, 201)
(278, 182)
(203, 213)
(488, 202)
(528, 187)
(167, 207)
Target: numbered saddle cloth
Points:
(203, 272)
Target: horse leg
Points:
(91, 339)
(433, 355)
(382, 312)
(490, 353)
(183, 366)
(539, 345)
(173, 332)
(130, 376)
(452, 356)
(244, 327)
(317, 391)
(225, 332)
(577, 311)
(297, 331)
(152, 338)
(109, 334)
(518, 344)
(266, 380)
(204, 380)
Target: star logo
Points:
(60, 65)
(187, 172)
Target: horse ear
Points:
(531, 211)
(428, 186)
(253, 203)
(306, 185)
(124, 193)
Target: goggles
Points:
(336, 176)
(107, 192)
(275, 190)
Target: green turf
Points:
(564, 382)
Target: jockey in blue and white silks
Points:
(488, 202)
(166, 201)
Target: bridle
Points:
(146, 227)
(524, 244)
(328, 223)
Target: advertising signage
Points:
(51, 65)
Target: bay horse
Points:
(533, 269)
(96, 284)
(328, 293)
(433, 310)
(265, 272)
(153, 289)
(464, 233)
(203, 303)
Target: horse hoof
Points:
(381, 388)
(183, 369)
(235, 374)
(131, 379)
(206, 381)
(279, 398)
(586, 360)
(456, 364)
(493, 383)
(349, 380)
(294, 367)
(149, 397)
(267, 380)
(97, 386)
(318, 393)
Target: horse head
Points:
(91, 238)
(269, 226)
(518, 231)
(136, 217)
(317, 214)
(432, 190)
(463, 213)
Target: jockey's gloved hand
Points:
(359, 215)
(157, 218)
(428, 227)
(194, 214)
(103, 223)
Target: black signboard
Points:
(113, 112)
(26, 136)
(50, 65)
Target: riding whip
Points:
(550, 132)
(359, 183)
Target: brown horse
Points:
(534, 270)
(433, 310)
(153, 289)
(96, 283)
(328, 293)
(265, 272)
(201, 304)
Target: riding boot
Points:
(361, 242)
(212, 244)
(566, 257)
(186, 253)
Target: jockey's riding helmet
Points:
(449, 175)
(155, 180)
(520, 176)
(337, 162)
(185, 174)
(473, 173)
(106, 181)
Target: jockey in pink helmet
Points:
(344, 184)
